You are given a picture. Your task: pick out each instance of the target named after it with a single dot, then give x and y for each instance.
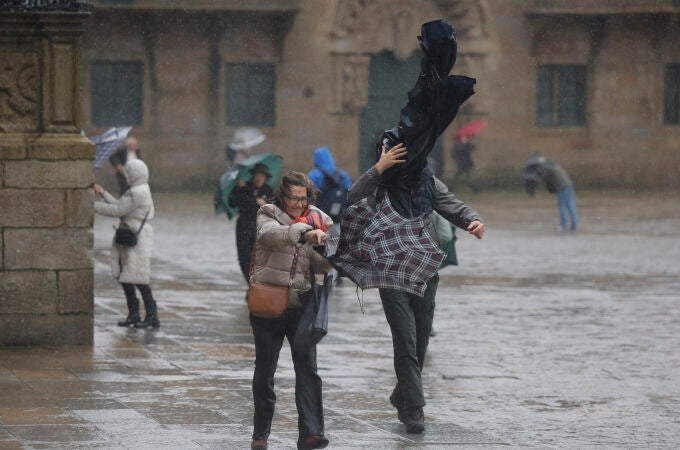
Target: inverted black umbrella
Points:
(432, 104)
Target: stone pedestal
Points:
(46, 176)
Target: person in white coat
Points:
(131, 266)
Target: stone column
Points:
(46, 176)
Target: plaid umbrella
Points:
(106, 143)
(378, 248)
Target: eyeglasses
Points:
(295, 199)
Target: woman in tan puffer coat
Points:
(288, 225)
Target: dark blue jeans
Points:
(410, 318)
(269, 334)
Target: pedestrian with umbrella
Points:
(463, 146)
(131, 251)
(239, 172)
(239, 192)
(388, 239)
(248, 197)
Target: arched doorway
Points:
(389, 81)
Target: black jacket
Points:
(244, 198)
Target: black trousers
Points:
(246, 232)
(269, 334)
(133, 301)
(410, 318)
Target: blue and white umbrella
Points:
(106, 143)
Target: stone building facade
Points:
(593, 85)
(46, 176)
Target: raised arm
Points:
(368, 182)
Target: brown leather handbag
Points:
(269, 301)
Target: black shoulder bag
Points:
(124, 234)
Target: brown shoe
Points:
(315, 441)
(258, 444)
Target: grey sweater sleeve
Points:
(452, 209)
(364, 187)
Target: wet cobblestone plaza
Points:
(543, 340)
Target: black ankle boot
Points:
(132, 319)
(415, 420)
(149, 321)
(151, 318)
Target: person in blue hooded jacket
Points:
(332, 183)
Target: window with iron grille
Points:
(250, 94)
(561, 95)
(671, 92)
(116, 92)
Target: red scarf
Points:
(312, 217)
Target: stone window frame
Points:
(246, 102)
(671, 94)
(115, 85)
(556, 106)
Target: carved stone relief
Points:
(351, 83)
(19, 87)
(470, 64)
(363, 28)
(372, 26)
(356, 19)
(468, 16)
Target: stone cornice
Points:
(28, 6)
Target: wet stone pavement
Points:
(543, 340)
